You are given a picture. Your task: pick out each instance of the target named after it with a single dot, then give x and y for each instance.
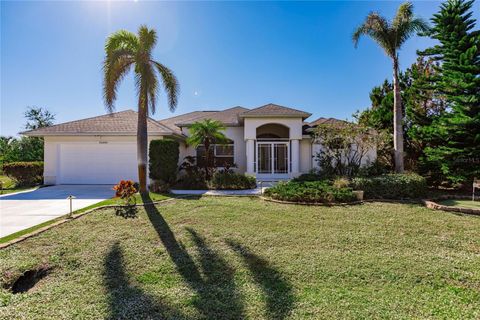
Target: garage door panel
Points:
(95, 163)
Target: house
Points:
(270, 142)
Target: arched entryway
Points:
(272, 150)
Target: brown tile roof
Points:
(325, 121)
(229, 117)
(117, 123)
(275, 110)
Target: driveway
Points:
(24, 210)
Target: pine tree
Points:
(455, 135)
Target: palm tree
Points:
(390, 36)
(123, 50)
(207, 133)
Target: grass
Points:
(242, 258)
(461, 203)
(112, 201)
(8, 186)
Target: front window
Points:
(221, 155)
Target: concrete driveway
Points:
(27, 209)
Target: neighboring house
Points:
(270, 142)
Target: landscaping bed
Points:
(241, 258)
(454, 203)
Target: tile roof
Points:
(325, 121)
(275, 110)
(229, 117)
(117, 123)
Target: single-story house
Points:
(270, 142)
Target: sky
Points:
(224, 54)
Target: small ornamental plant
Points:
(126, 190)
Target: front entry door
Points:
(272, 158)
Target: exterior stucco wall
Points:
(305, 155)
(295, 125)
(52, 150)
(233, 133)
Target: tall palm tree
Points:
(207, 132)
(125, 50)
(390, 36)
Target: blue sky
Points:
(224, 54)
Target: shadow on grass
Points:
(125, 300)
(216, 294)
(126, 212)
(277, 290)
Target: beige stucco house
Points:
(270, 142)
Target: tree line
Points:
(440, 113)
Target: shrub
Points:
(125, 190)
(193, 177)
(163, 160)
(341, 182)
(392, 186)
(192, 181)
(24, 173)
(312, 176)
(310, 191)
(226, 180)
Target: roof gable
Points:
(275, 110)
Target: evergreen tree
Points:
(454, 136)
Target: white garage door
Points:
(95, 163)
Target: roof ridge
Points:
(89, 118)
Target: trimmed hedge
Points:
(392, 186)
(163, 160)
(231, 181)
(24, 173)
(310, 191)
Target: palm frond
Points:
(121, 40)
(114, 72)
(377, 28)
(170, 83)
(404, 14)
(208, 129)
(409, 28)
(147, 38)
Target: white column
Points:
(250, 156)
(295, 157)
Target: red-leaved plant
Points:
(126, 190)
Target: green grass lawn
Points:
(461, 203)
(243, 258)
(8, 186)
(112, 201)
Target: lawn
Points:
(113, 201)
(236, 258)
(461, 203)
(8, 186)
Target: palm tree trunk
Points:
(142, 141)
(207, 159)
(397, 120)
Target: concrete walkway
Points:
(248, 192)
(23, 210)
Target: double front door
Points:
(272, 158)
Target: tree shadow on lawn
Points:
(217, 296)
(125, 300)
(278, 291)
